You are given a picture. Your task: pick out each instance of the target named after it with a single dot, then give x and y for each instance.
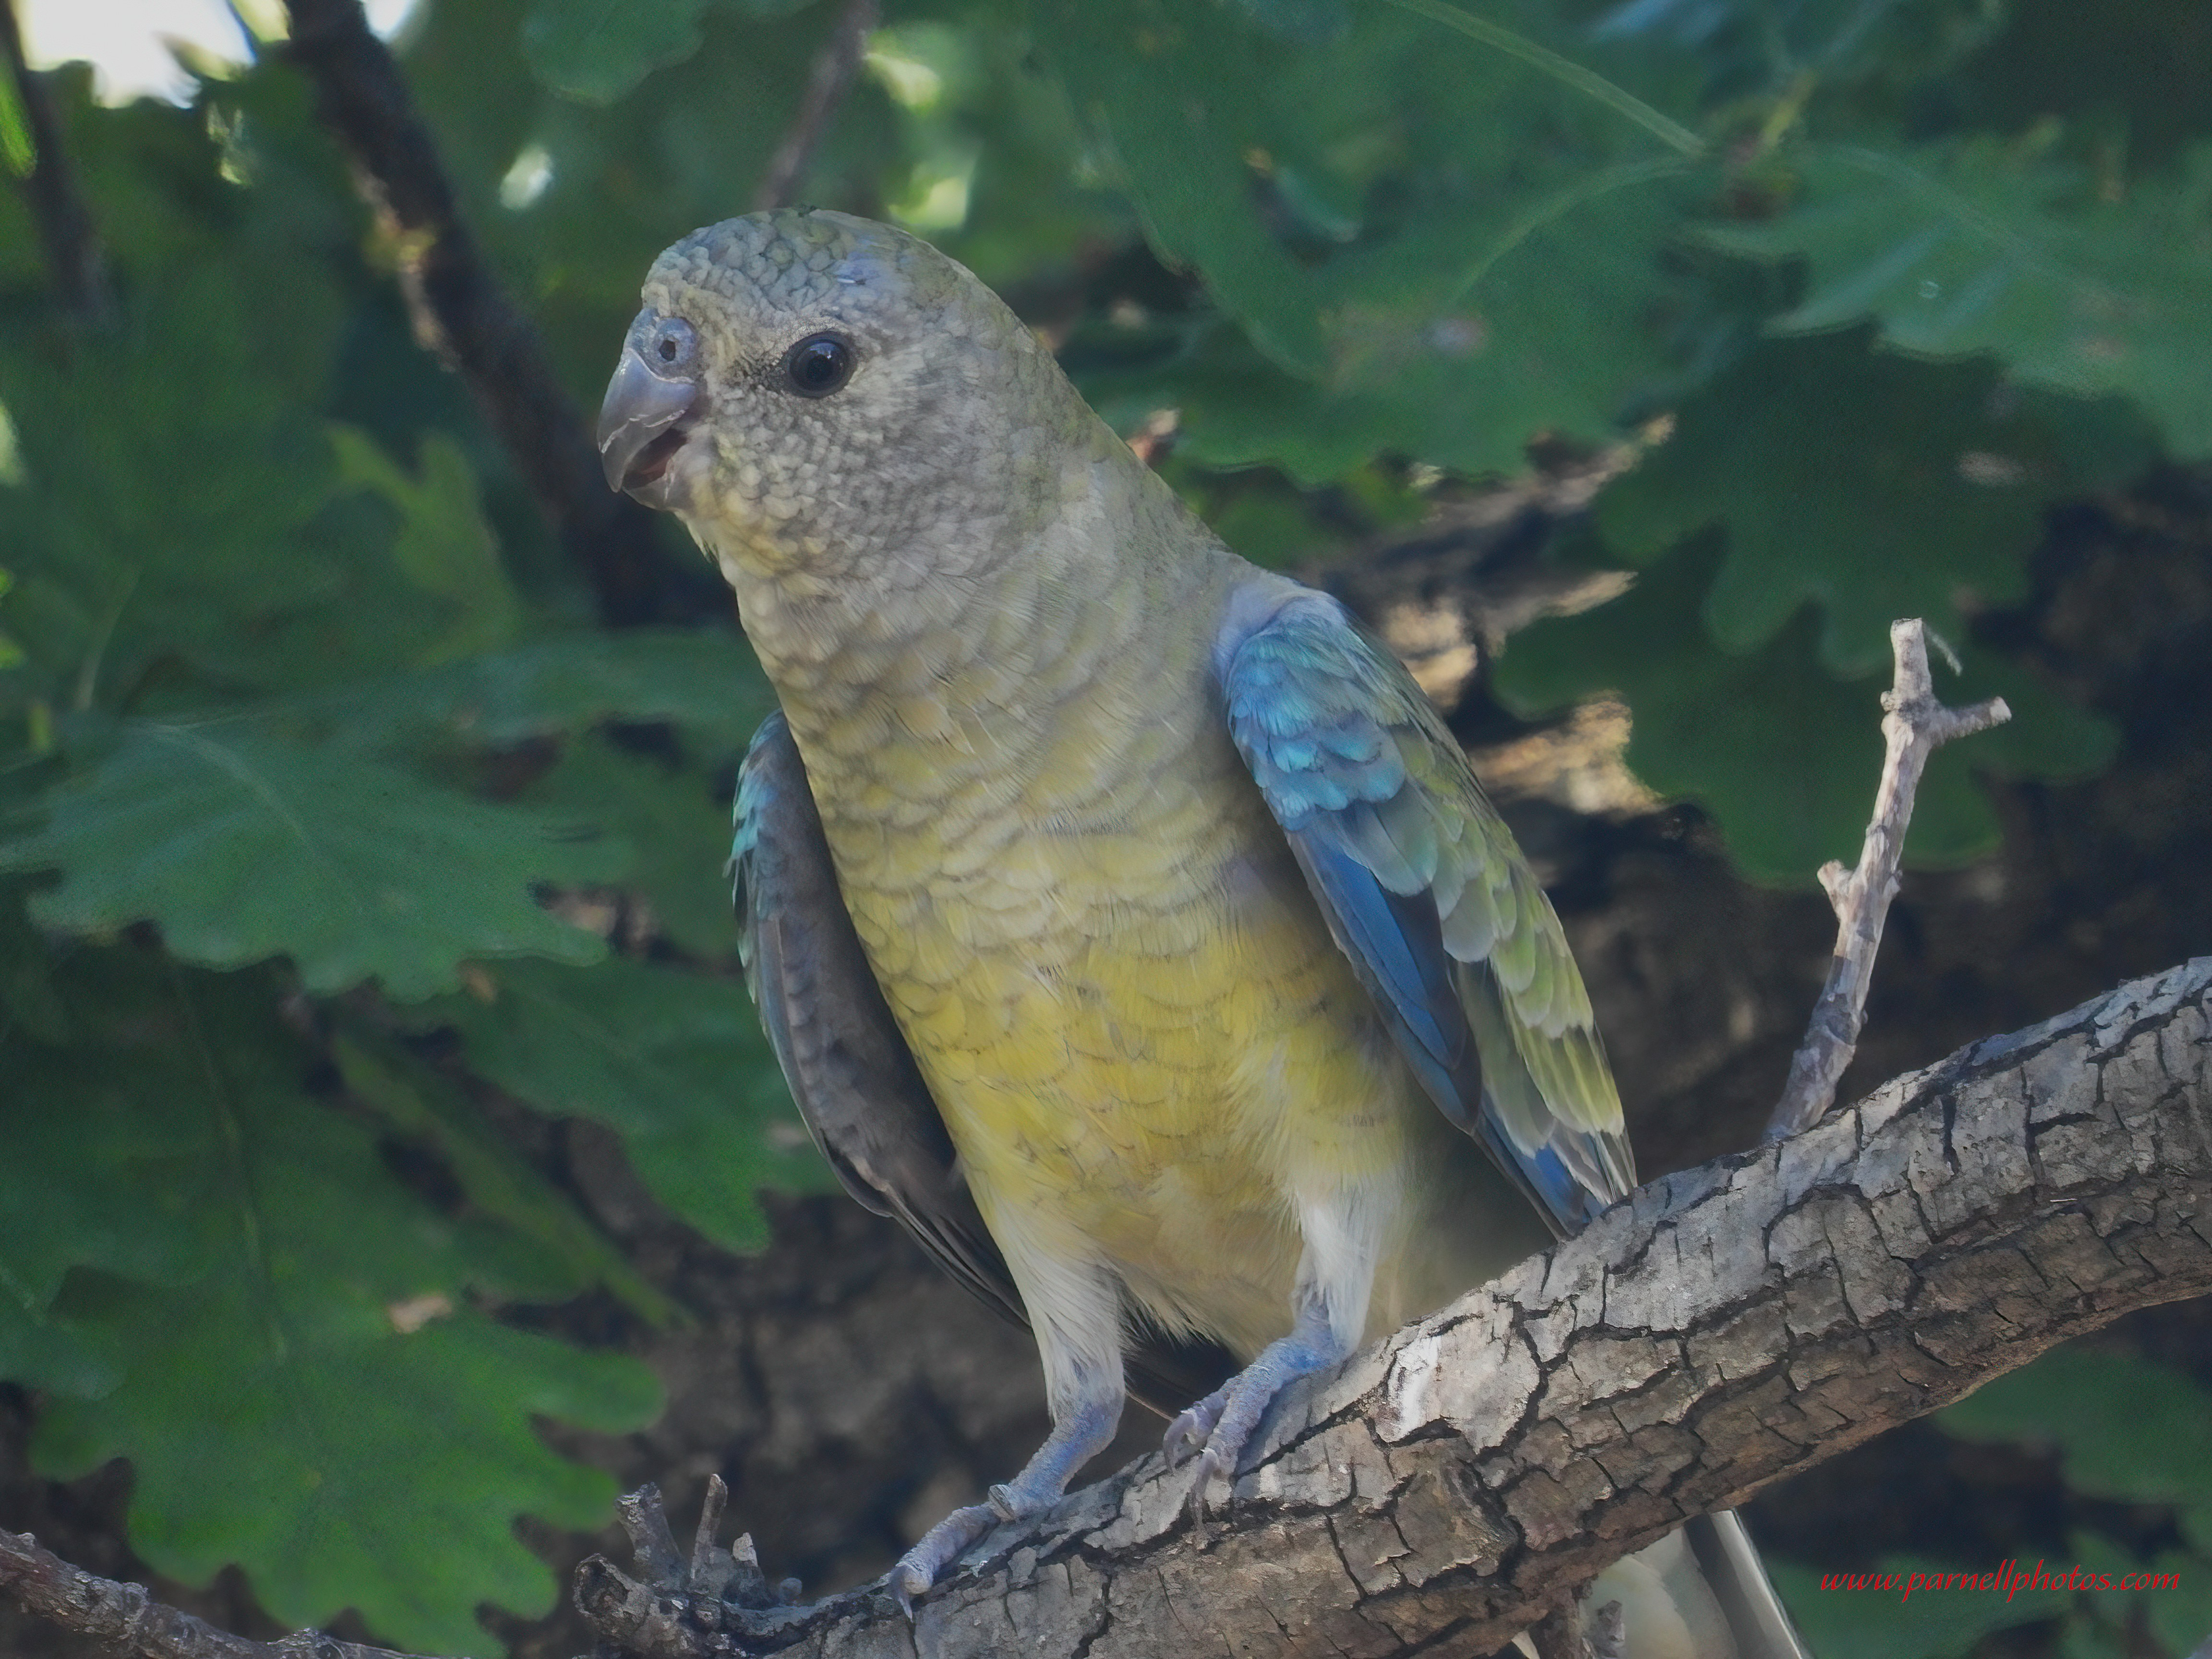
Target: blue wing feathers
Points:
(1413, 984)
(1425, 894)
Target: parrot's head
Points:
(822, 397)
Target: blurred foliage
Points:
(326, 812)
(2129, 1433)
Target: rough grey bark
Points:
(1721, 1328)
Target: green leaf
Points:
(2180, 1612)
(1885, 1615)
(27, 998)
(1430, 247)
(181, 533)
(444, 545)
(673, 1062)
(2133, 73)
(706, 681)
(321, 1406)
(1870, 484)
(242, 844)
(564, 1254)
(1315, 21)
(597, 50)
(1747, 53)
(18, 154)
(1566, 72)
(105, 1165)
(1782, 755)
(157, 490)
(679, 826)
(1981, 247)
(10, 653)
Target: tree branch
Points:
(1721, 1328)
(827, 84)
(461, 312)
(1717, 1330)
(1914, 725)
(129, 1620)
(66, 233)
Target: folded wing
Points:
(1427, 894)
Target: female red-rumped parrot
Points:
(1125, 920)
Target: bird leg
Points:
(1081, 1429)
(1343, 1228)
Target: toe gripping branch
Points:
(715, 1601)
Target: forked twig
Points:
(1914, 726)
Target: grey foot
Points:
(940, 1547)
(1219, 1427)
(1079, 1432)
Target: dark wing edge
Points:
(855, 1081)
(1425, 892)
(849, 1069)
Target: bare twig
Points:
(1914, 726)
(827, 84)
(461, 312)
(643, 1616)
(126, 1619)
(65, 228)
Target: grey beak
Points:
(642, 425)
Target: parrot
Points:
(1125, 919)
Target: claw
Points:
(1191, 1431)
(940, 1547)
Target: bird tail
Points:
(1755, 1615)
(1698, 1592)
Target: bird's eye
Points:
(818, 365)
(672, 343)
